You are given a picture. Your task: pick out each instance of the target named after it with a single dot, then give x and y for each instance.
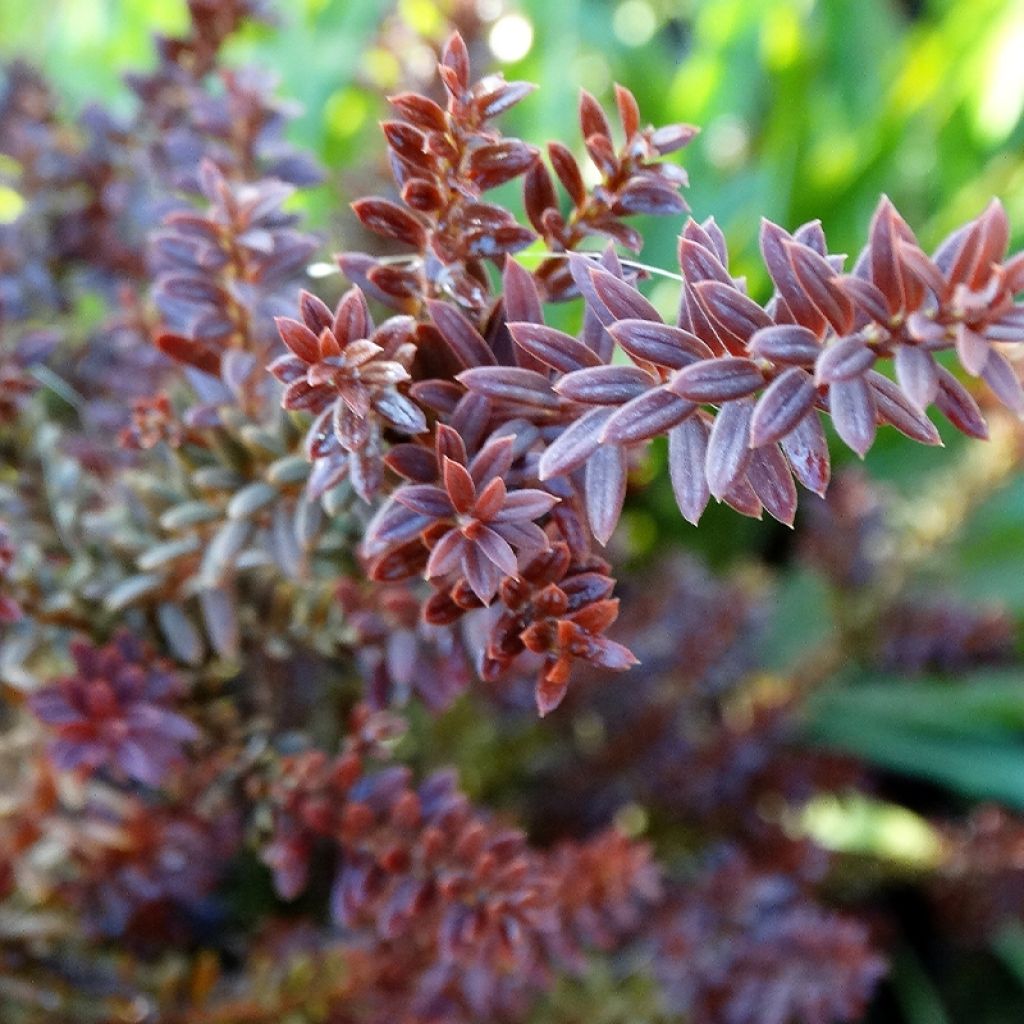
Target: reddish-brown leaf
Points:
(390, 220)
(494, 164)
(568, 172)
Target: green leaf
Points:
(968, 736)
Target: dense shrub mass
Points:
(272, 557)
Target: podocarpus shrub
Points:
(206, 820)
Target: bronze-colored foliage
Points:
(269, 565)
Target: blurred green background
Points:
(810, 108)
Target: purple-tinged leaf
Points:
(560, 351)
(400, 412)
(1009, 326)
(1002, 378)
(729, 446)
(687, 455)
(915, 263)
(622, 300)
(887, 229)
(785, 402)
(191, 290)
(995, 234)
(717, 380)
(770, 477)
(806, 447)
(414, 462)
(658, 343)
(972, 349)
(923, 327)
(395, 281)
(742, 498)
(493, 460)
(671, 137)
(287, 369)
(520, 290)
(574, 445)
(644, 196)
(493, 243)
(300, 394)
(357, 266)
(482, 575)
(455, 56)
(646, 416)
(449, 443)
(812, 234)
(602, 153)
(957, 405)
(497, 549)
(786, 344)
(866, 297)
(392, 525)
(406, 141)
(957, 256)
(579, 268)
(525, 536)
(715, 239)
(446, 555)
(425, 499)
(351, 320)
(815, 275)
(462, 337)
(773, 251)
(528, 504)
(605, 385)
(440, 396)
(896, 409)
(511, 384)
(461, 491)
(605, 490)
(917, 374)
(845, 359)
(1013, 271)
(852, 405)
(315, 312)
(595, 336)
(698, 259)
(470, 420)
(736, 315)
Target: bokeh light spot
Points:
(634, 22)
(511, 38)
